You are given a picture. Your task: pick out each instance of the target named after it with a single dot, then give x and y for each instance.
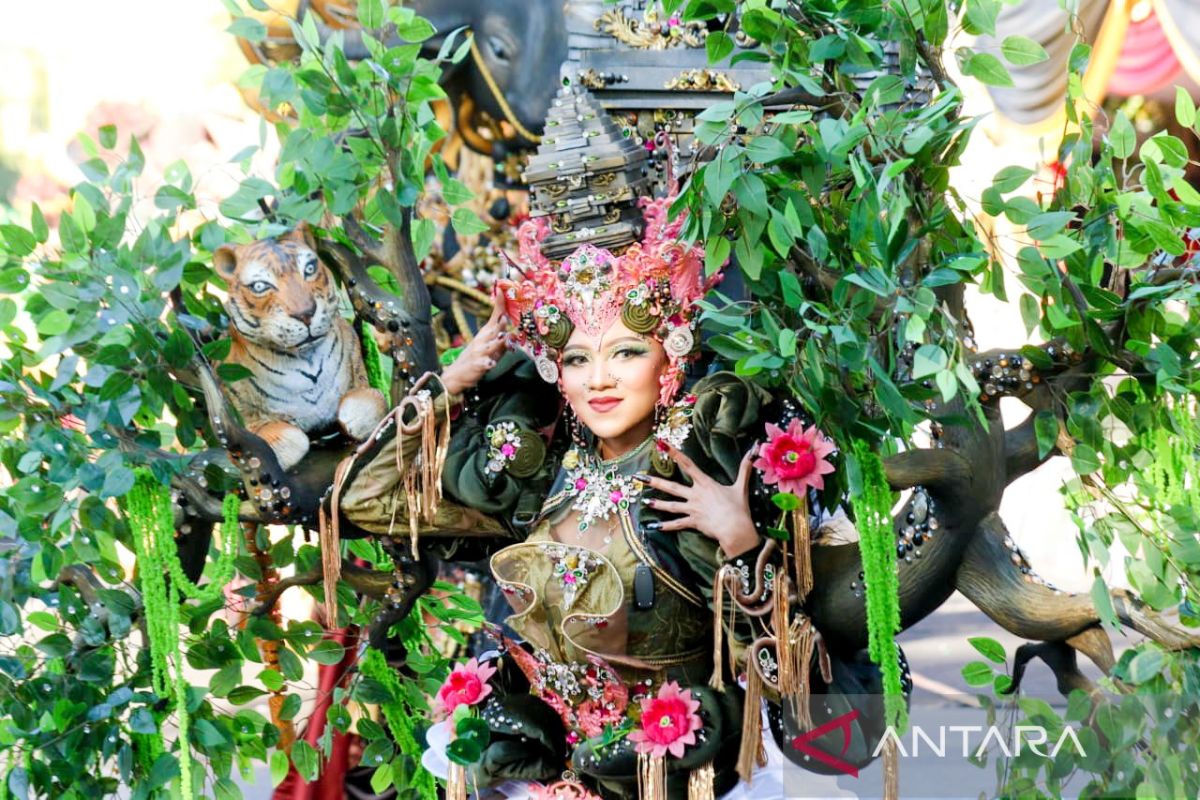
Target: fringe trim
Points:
(802, 540)
(422, 481)
(789, 681)
(804, 640)
(700, 783)
(456, 782)
(751, 753)
(891, 769)
(717, 681)
(652, 777)
(423, 477)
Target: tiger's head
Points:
(280, 294)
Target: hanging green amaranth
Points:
(400, 718)
(877, 545)
(152, 528)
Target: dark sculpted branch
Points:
(936, 468)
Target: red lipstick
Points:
(604, 404)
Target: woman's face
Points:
(613, 388)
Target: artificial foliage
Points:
(853, 244)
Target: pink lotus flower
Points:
(669, 722)
(795, 459)
(466, 685)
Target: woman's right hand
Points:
(479, 355)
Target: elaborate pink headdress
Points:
(652, 287)
(589, 182)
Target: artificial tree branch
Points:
(933, 60)
(370, 301)
(936, 468)
(1021, 450)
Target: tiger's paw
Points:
(360, 411)
(289, 442)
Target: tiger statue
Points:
(306, 367)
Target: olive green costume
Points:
(564, 622)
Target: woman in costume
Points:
(626, 523)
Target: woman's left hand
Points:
(717, 510)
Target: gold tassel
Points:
(456, 782)
(752, 753)
(891, 769)
(330, 539)
(652, 777)
(789, 681)
(422, 480)
(331, 564)
(802, 539)
(804, 640)
(700, 783)
(717, 681)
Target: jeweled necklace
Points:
(601, 489)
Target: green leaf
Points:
(225, 789)
(304, 756)
(1010, 179)
(38, 226)
(1185, 107)
(981, 16)
(464, 751)
(370, 13)
(1122, 137)
(897, 167)
(765, 149)
(271, 679)
(1043, 226)
(279, 767)
(1102, 601)
(418, 29)
(785, 501)
(178, 349)
(718, 45)
(17, 240)
(947, 384)
(466, 222)
(720, 173)
(455, 192)
(55, 323)
(1146, 664)
(423, 234)
(1022, 51)
(716, 254)
(327, 652)
(1059, 246)
(928, 360)
(245, 694)
(247, 28)
(1045, 428)
(117, 482)
(1084, 459)
(1031, 313)
(987, 69)
(988, 648)
(787, 343)
(977, 673)
(108, 136)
